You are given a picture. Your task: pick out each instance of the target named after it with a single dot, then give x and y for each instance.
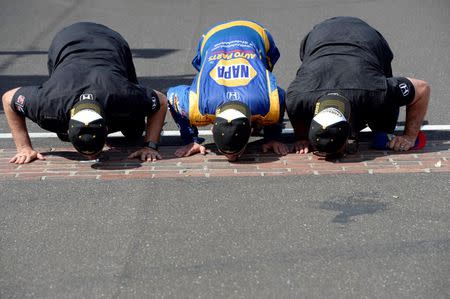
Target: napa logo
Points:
(233, 72)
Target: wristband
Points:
(152, 145)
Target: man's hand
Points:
(26, 155)
(402, 143)
(146, 154)
(190, 149)
(301, 147)
(275, 146)
(16, 121)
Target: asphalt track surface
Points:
(373, 226)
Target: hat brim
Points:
(236, 105)
(87, 104)
(333, 100)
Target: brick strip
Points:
(65, 163)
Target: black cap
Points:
(330, 126)
(232, 127)
(87, 127)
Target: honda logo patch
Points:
(404, 89)
(233, 96)
(86, 96)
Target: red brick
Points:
(331, 167)
(170, 174)
(237, 166)
(248, 170)
(301, 171)
(299, 166)
(57, 173)
(398, 170)
(352, 168)
(241, 174)
(328, 171)
(85, 176)
(30, 175)
(276, 169)
(357, 171)
(7, 176)
(376, 167)
(226, 171)
(274, 173)
(271, 165)
(57, 176)
(119, 176)
(178, 168)
(219, 172)
(414, 170)
(353, 164)
(416, 163)
(447, 169)
(253, 163)
(406, 158)
(7, 168)
(111, 177)
(433, 165)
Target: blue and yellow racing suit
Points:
(234, 61)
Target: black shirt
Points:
(87, 58)
(345, 55)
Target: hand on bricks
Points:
(26, 155)
(402, 143)
(190, 149)
(301, 147)
(146, 154)
(275, 146)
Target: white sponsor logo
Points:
(404, 89)
(154, 103)
(87, 96)
(233, 96)
(329, 116)
(20, 103)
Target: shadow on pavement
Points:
(137, 53)
(69, 155)
(152, 53)
(251, 155)
(354, 205)
(109, 160)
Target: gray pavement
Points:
(356, 236)
(346, 236)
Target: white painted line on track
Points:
(172, 133)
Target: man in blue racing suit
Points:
(234, 90)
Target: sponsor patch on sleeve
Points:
(19, 103)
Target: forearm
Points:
(188, 133)
(16, 123)
(416, 111)
(300, 130)
(414, 120)
(155, 122)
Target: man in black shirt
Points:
(345, 83)
(92, 90)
